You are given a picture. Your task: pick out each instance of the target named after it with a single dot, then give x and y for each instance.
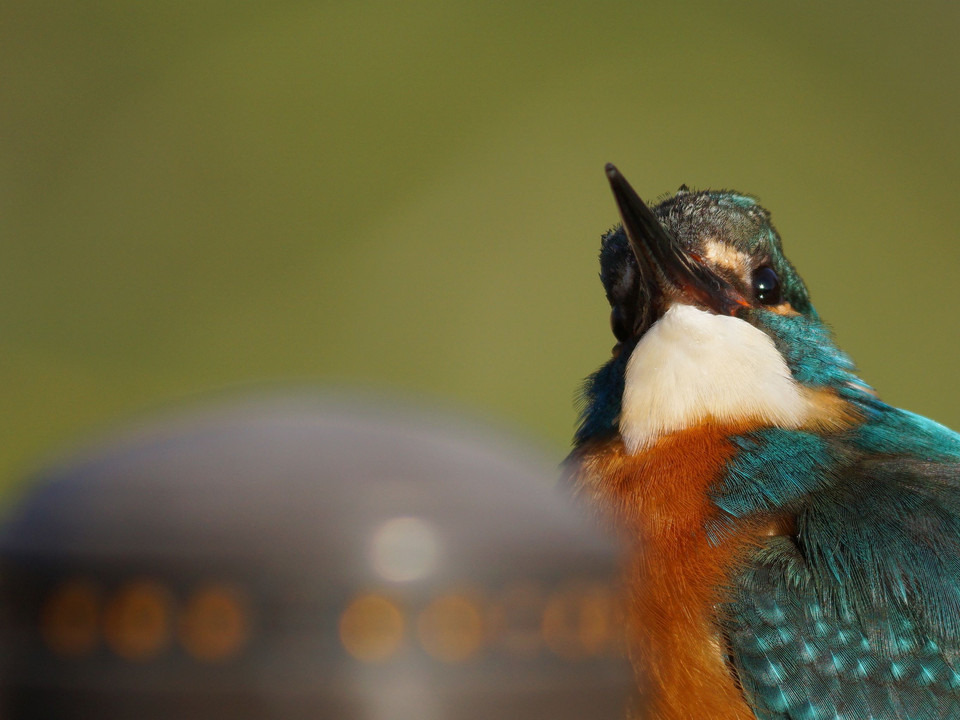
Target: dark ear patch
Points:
(620, 276)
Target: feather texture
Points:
(857, 614)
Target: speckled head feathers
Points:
(726, 230)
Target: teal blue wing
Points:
(858, 614)
(800, 657)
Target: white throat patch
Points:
(693, 366)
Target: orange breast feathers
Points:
(676, 576)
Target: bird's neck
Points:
(693, 367)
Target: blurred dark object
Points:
(301, 559)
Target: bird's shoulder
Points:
(856, 613)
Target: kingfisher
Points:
(793, 541)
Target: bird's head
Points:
(713, 324)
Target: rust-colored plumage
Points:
(677, 572)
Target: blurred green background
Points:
(409, 196)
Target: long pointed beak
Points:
(661, 258)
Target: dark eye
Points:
(766, 286)
(619, 325)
